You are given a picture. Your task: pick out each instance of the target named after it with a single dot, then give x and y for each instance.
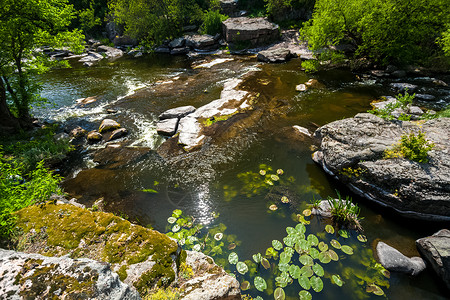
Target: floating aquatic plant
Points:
(344, 212)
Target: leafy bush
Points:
(345, 212)
(402, 101)
(19, 190)
(413, 147)
(212, 22)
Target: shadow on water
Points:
(147, 187)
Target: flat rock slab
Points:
(394, 260)
(110, 52)
(436, 250)
(274, 56)
(352, 151)
(253, 30)
(108, 125)
(178, 112)
(34, 276)
(167, 126)
(201, 42)
(402, 87)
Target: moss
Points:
(210, 121)
(160, 275)
(164, 294)
(99, 236)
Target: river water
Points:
(215, 185)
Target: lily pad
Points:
(284, 279)
(375, 289)
(314, 253)
(289, 251)
(262, 172)
(323, 247)
(277, 245)
(313, 240)
(336, 279)
(300, 228)
(176, 228)
(343, 233)
(177, 213)
(285, 258)
(233, 258)
(231, 246)
(284, 199)
(289, 241)
(329, 229)
(324, 257)
(362, 238)
(241, 267)
(257, 258)
(171, 220)
(307, 212)
(279, 294)
(283, 267)
(291, 231)
(335, 244)
(295, 271)
(304, 282)
(318, 270)
(274, 177)
(307, 271)
(347, 249)
(304, 245)
(218, 236)
(305, 295)
(333, 255)
(245, 285)
(306, 260)
(260, 283)
(273, 207)
(302, 220)
(280, 171)
(265, 263)
(316, 283)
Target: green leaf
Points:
(306, 260)
(288, 241)
(283, 267)
(305, 295)
(343, 233)
(277, 245)
(333, 255)
(285, 258)
(295, 271)
(300, 228)
(241, 267)
(283, 280)
(171, 220)
(279, 294)
(265, 263)
(316, 283)
(304, 282)
(257, 258)
(151, 191)
(362, 238)
(318, 270)
(177, 213)
(314, 253)
(329, 229)
(291, 231)
(335, 244)
(304, 245)
(373, 288)
(233, 258)
(313, 240)
(245, 285)
(336, 279)
(306, 271)
(260, 283)
(324, 257)
(323, 247)
(347, 249)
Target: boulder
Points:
(399, 74)
(108, 125)
(436, 250)
(402, 87)
(85, 101)
(167, 126)
(324, 208)
(34, 276)
(209, 282)
(162, 49)
(189, 133)
(425, 97)
(110, 52)
(393, 260)
(202, 42)
(229, 7)
(117, 134)
(178, 112)
(77, 132)
(179, 51)
(92, 57)
(177, 43)
(351, 150)
(301, 87)
(274, 56)
(94, 136)
(255, 31)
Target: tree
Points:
(26, 25)
(385, 31)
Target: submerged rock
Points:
(436, 250)
(255, 31)
(34, 276)
(178, 112)
(352, 151)
(394, 260)
(402, 87)
(108, 125)
(117, 134)
(94, 136)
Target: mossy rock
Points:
(59, 229)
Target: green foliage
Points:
(19, 189)
(279, 8)
(88, 19)
(369, 25)
(212, 22)
(344, 212)
(402, 101)
(415, 147)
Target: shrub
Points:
(413, 147)
(212, 22)
(402, 101)
(19, 190)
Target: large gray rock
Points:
(401, 87)
(229, 7)
(394, 260)
(177, 43)
(167, 126)
(92, 57)
(108, 125)
(202, 42)
(255, 31)
(210, 281)
(110, 52)
(177, 112)
(34, 276)
(117, 134)
(436, 250)
(274, 56)
(352, 151)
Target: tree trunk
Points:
(8, 123)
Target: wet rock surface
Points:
(34, 276)
(352, 151)
(167, 126)
(394, 260)
(255, 31)
(436, 250)
(178, 112)
(274, 56)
